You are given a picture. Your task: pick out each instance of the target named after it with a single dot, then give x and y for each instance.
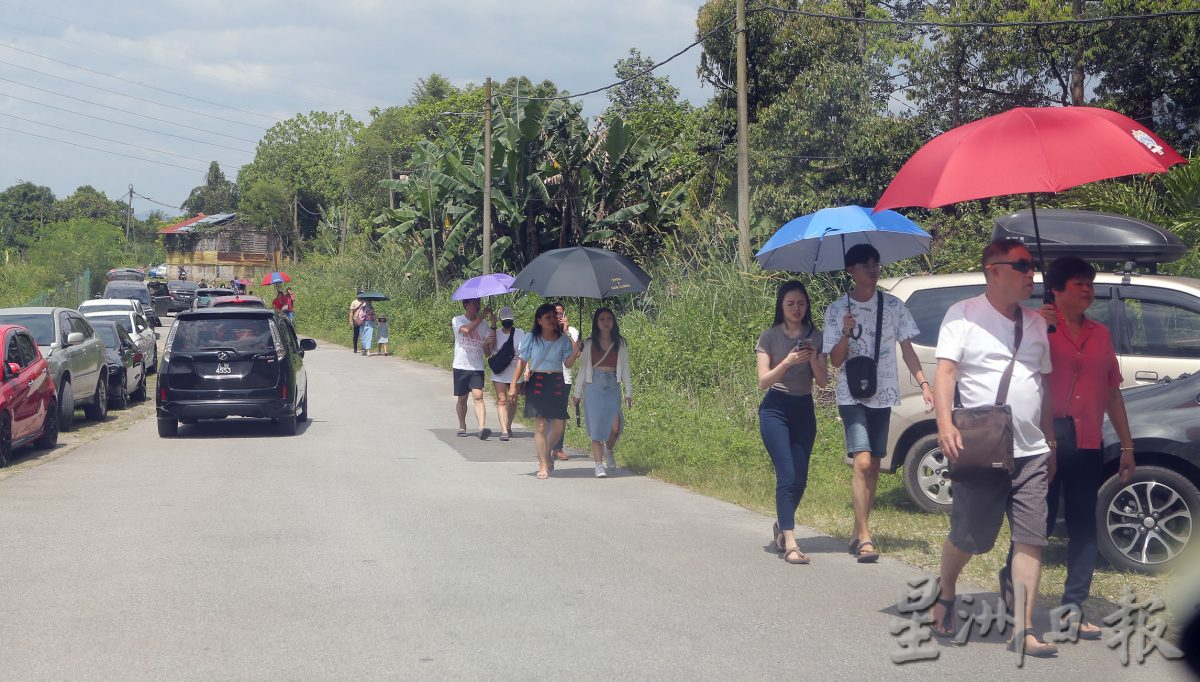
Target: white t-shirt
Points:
(468, 348)
(574, 334)
(977, 337)
(898, 325)
(506, 377)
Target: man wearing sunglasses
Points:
(975, 347)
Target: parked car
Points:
(1149, 523)
(75, 356)
(205, 295)
(237, 300)
(126, 364)
(28, 405)
(232, 361)
(182, 294)
(155, 308)
(136, 326)
(125, 275)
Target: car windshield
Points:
(137, 293)
(123, 321)
(117, 304)
(40, 324)
(242, 334)
(184, 286)
(108, 334)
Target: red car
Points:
(28, 405)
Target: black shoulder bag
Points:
(987, 432)
(862, 372)
(502, 358)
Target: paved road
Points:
(375, 545)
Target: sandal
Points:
(778, 537)
(853, 547)
(1043, 650)
(801, 557)
(560, 455)
(543, 475)
(946, 627)
(462, 433)
(867, 556)
(1091, 635)
(504, 438)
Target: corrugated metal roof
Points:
(199, 219)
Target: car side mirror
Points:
(308, 344)
(13, 369)
(74, 338)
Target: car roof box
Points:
(1093, 236)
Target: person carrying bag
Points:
(987, 431)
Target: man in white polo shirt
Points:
(975, 346)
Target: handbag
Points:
(862, 372)
(502, 358)
(987, 432)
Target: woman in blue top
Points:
(541, 358)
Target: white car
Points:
(137, 327)
(96, 305)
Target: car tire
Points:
(167, 427)
(98, 409)
(120, 399)
(303, 416)
(152, 368)
(6, 446)
(49, 437)
(66, 412)
(287, 425)
(1146, 524)
(139, 393)
(925, 478)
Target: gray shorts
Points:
(981, 502)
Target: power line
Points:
(1120, 18)
(105, 139)
(126, 111)
(102, 151)
(156, 201)
(127, 125)
(139, 83)
(133, 97)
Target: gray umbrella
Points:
(584, 272)
(373, 296)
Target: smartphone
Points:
(802, 344)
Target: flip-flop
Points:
(801, 557)
(543, 475)
(947, 627)
(504, 437)
(865, 556)
(462, 433)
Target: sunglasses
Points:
(1022, 266)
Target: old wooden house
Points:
(220, 247)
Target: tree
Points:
(216, 195)
(268, 203)
(433, 88)
(24, 209)
(88, 202)
(648, 104)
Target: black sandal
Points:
(1044, 650)
(853, 547)
(867, 556)
(947, 627)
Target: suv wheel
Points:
(98, 409)
(925, 478)
(66, 413)
(1146, 524)
(167, 427)
(49, 436)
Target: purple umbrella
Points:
(484, 285)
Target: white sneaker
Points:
(610, 460)
(600, 471)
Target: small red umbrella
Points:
(1024, 151)
(275, 278)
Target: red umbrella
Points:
(275, 278)
(1027, 150)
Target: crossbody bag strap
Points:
(1019, 324)
(878, 324)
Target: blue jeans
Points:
(789, 427)
(1078, 477)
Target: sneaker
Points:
(601, 472)
(610, 460)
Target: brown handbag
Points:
(987, 432)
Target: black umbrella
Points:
(373, 296)
(584, 272)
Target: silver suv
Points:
(1155, 325)
(75, 356)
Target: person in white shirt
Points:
(508, 335)
(472, 340)
(603, 370)
(564, 327)
(975, 347)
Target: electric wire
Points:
(103, 151)
(1121, 18)
(156, 201)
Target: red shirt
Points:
(279, 302)
(1092, 358)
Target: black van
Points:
(232, 362)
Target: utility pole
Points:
(391, 176)
(129, 215)
(433, 230)
(487, 176)
(345, 228)
(295, 225)
(743, 147)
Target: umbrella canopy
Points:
(582, 271)
(484, 285)
(818, 242)
(1027, 150)
(275, 278)
(244, 280)
(373, 296)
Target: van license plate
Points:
(224, 368)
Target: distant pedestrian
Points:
(368, 327)
(382, 328)
(565, 327)
(289, 306)
(203, 283)
(279, 303)
(505, 342)
(356, 319)
(862, 329)
(543, 356)
(603, 370)
(472, 341)
(789, 360)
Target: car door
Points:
(143, 336)
(88, 360)
(1159, 334)
(73, 358)
(35, 375)
(17, 387)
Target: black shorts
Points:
(467, 380)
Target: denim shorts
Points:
(866, 428)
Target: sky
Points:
(186, 82)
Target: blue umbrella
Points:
(818, 242)
(484, 285)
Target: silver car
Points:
(144, 337)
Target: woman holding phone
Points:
(542, 357)
(789, 361)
